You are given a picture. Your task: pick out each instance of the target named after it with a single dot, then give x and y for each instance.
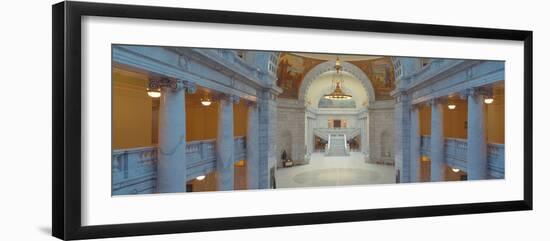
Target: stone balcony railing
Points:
(456, 150)
(325, 132)
(134, 170)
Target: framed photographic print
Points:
(169, 120)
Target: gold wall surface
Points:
(240, 118)
(201, 121)
(455, 121)
(425, 115)
(135, 114)
(132, 111)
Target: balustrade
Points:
(495, 158)
(134, 170)
(425, 145)
(455, 154)
(240, 148)
(325, 132)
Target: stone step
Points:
(337, 147)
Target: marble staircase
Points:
(337, 146)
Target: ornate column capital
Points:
(400, 96)
(172, 84)
(435, 101)
(190, 87)
(250, 103)
(476, 91)
(229, 97)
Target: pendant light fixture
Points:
(488, 100)
(337, 81)
(451, 104)
(206, 100)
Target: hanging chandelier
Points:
(337, 82)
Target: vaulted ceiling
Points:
(293, 67)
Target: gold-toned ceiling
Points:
(343, 57)
(293, 67)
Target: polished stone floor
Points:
(335, 171)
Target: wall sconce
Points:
(200, 178)
(154, 90)
(206, 100)
(488, 100)
(455, 170)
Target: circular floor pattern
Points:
(336, 176)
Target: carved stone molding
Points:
(436, 101)
(233, 98)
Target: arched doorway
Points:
(343, 117)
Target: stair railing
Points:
(327, 146)
(346, 144)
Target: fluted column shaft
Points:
(225, 153)
(477, 145)
(171, 167)
(437, 143)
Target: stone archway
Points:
(329, 66)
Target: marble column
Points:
(437, 143)
(253, 147)
(171, 167)
(225, 146)
(477, 144)
(415, 145)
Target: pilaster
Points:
(267, 111)
(253, 147)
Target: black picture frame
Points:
(67, 137)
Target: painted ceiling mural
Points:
(292, 69)
(291, 72)
(380, 73)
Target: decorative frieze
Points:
(457, 79)
(197, 66)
